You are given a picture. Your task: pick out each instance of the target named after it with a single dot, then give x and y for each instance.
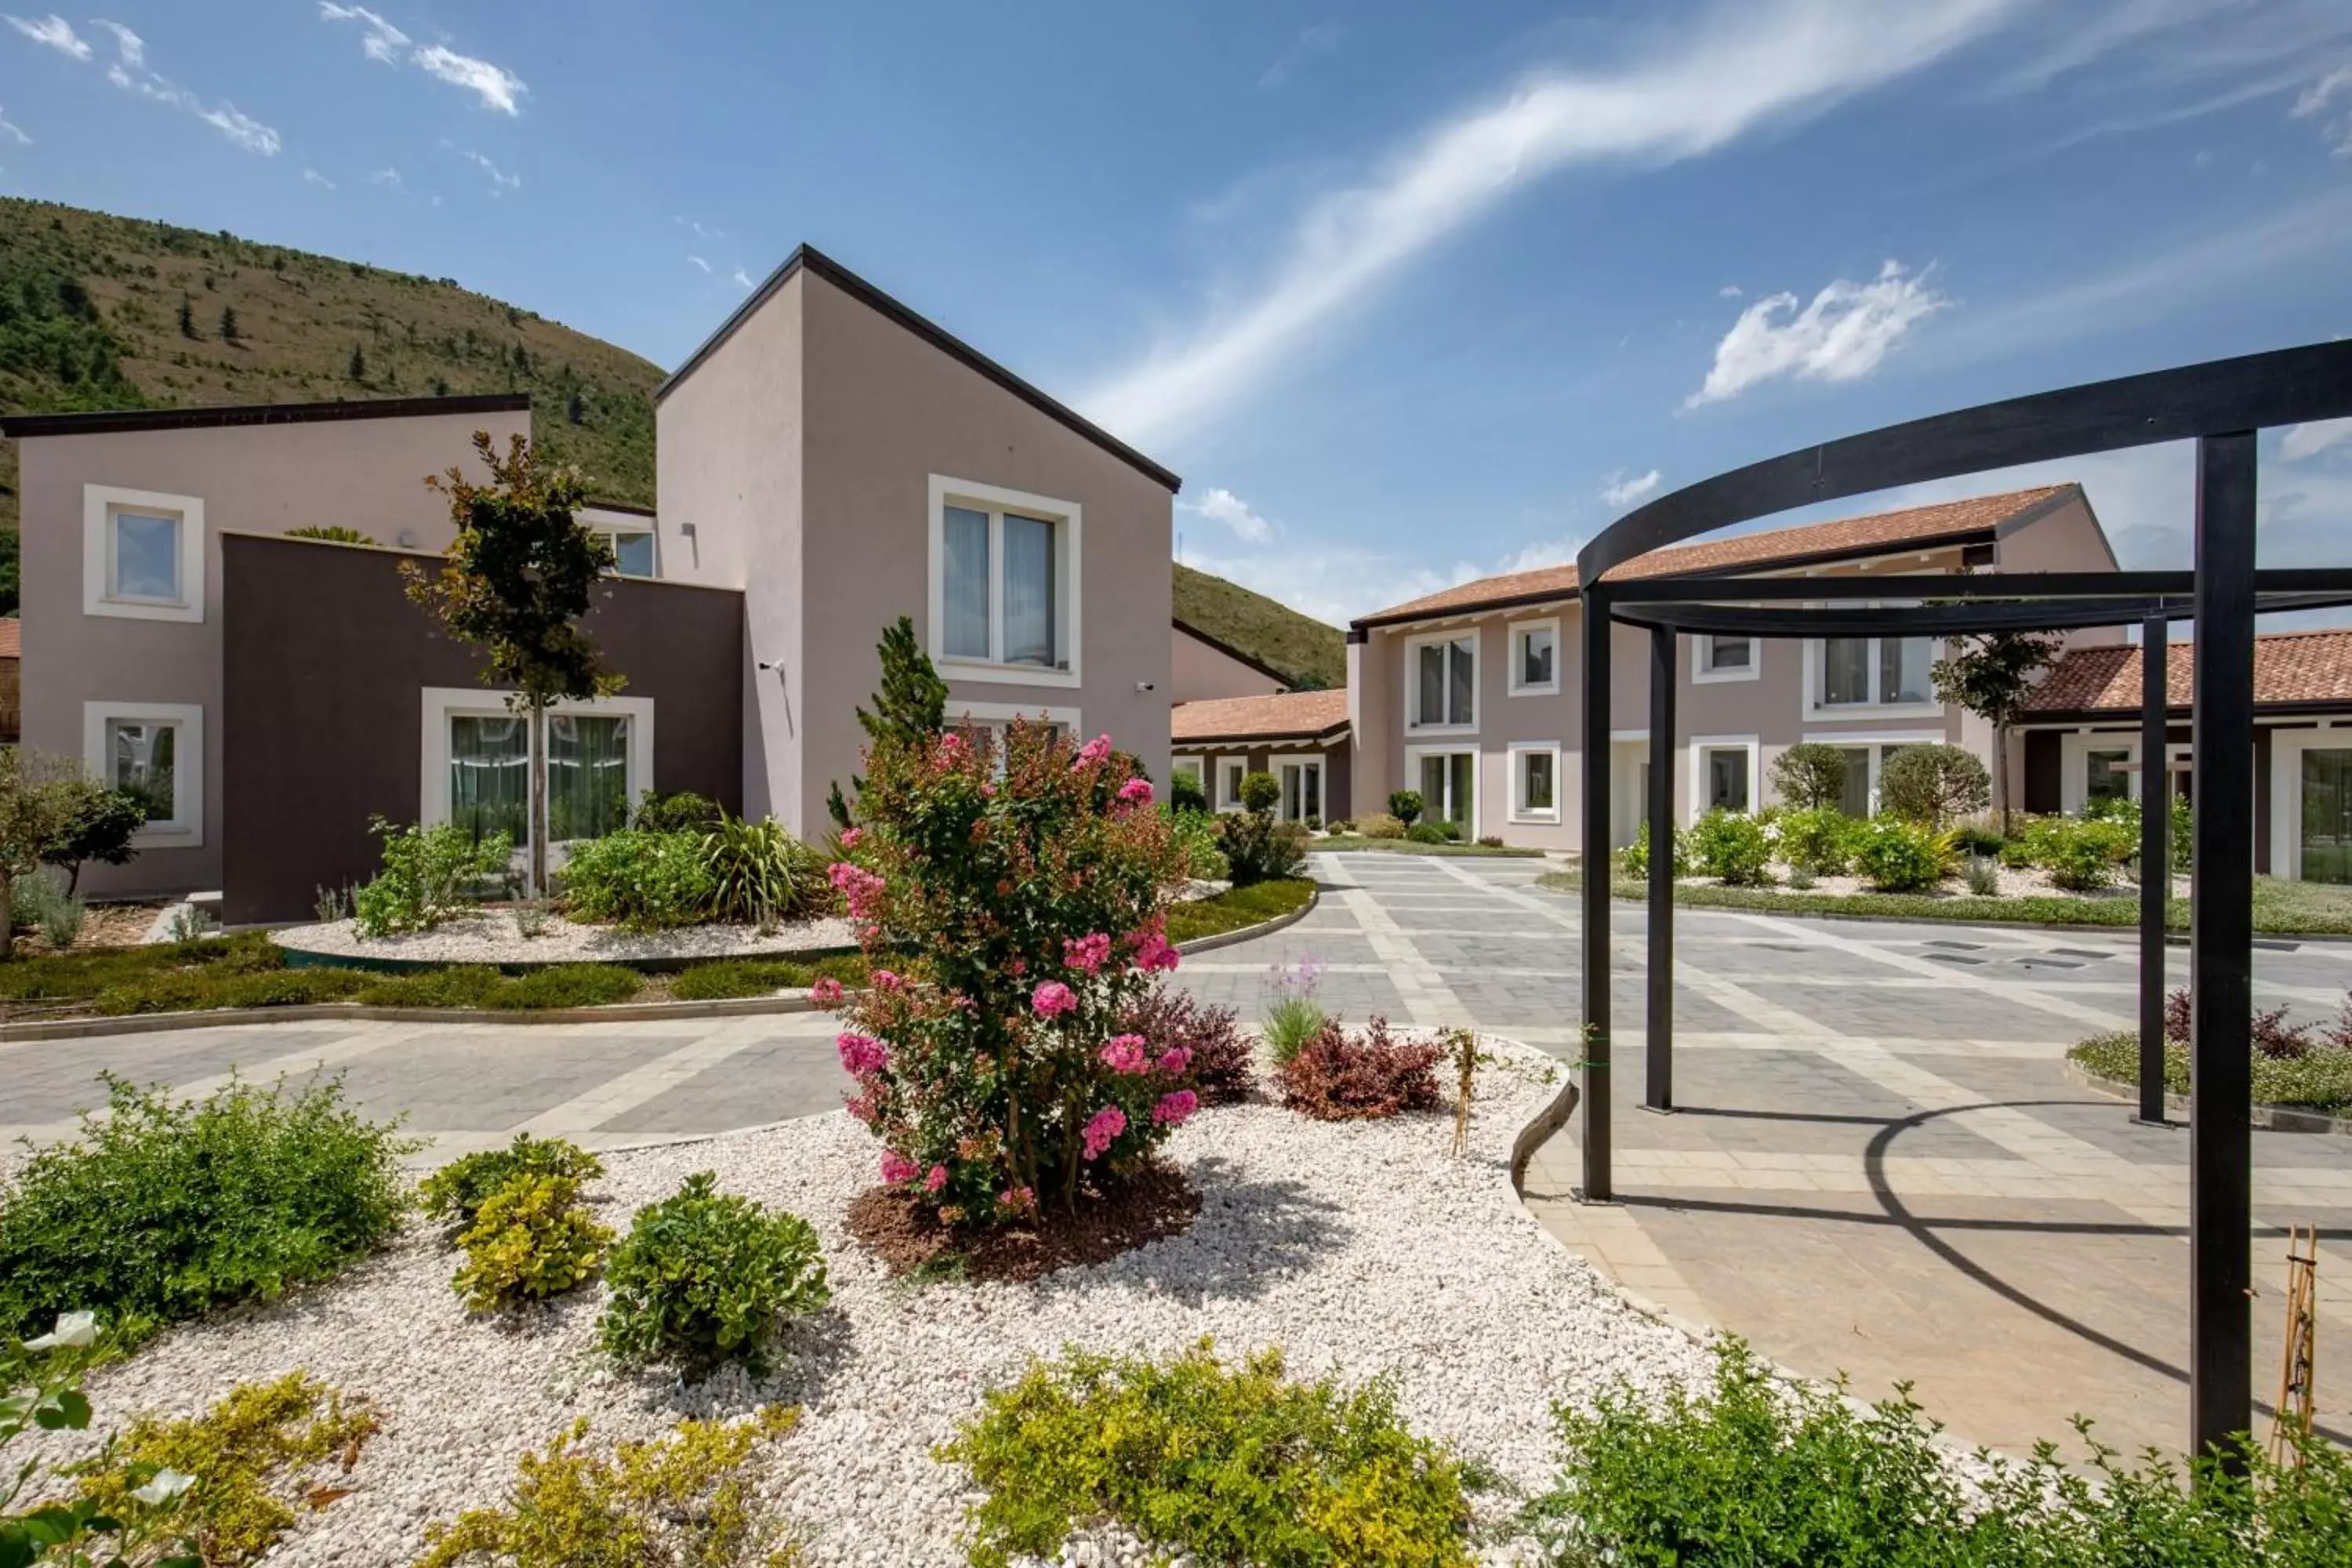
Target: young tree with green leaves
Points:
(38, 795)
(98, 825)
(228, 328)
(1989, 674)
(911, 704)
(514, 582)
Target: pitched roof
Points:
(2289, 666)
(12, 637)
(1948, 522)
(1312, 714)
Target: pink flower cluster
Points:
(1136, 792)
(1018, 1200)
(1175, 1060)
(1094, 750)
(1174, 1109)
(897, 1168)
(850, 835)
(1102, 1130)
(1153, 951)
(1087, 953)
(827, 992)
(935, 1179)
(1126, 1053)
(861, 1107)
(858, 887)
(861, 1054)
(1051, 998)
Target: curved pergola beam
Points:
(1944, 619)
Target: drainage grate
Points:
(2047, 963)
(2078, 952)
(1946, 942)
(1954, 958)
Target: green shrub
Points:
(530, 1238)
(164, 1208)
(1405, 805)
(729, 977)
(2022, 848)
(1257, 848)
(1635, 857)
(1186, 796)
(1976, 838)
(455, 1194)
(478, 985)
(759, 874)
(1289, 1024)
(1810, 776)
(1228, 1463)
(705, 1276)
(1260, 792)
(40, 1389)
(192, 990)
(680, 811)
(689, 1497)
(1818, 839)
(1934, 784)
(1899, 856)
(2083, 855)
(1429, 833)
(1730, 847)
(1983, 873)
(640, 882)
(1774, 1476)
(1196, 833)
(1380, 825)
(429, 876)
(334, 533)
(2320, 1078)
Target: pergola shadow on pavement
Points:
(2220, 406)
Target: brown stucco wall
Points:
(1199, 670)
(323, 661)
(1338, 767)
(366, 474)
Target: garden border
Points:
(87, 1027)
(2273, 1117)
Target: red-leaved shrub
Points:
(2274, 1036)
(1335, 1078)
(1223, 1070)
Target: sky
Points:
(1409, 294)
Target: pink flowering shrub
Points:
(999, 1072)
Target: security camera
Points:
(1145, 686)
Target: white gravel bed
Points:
(1363, 1248)
(2011, 882)
(490, 938)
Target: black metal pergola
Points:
(2221, 407)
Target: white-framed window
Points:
(142, 555)
(1863, 677)
(1441, 683)
(1300, 774)
(476, 763)
(985, 723)
(1188, 768)
(637, 547)
(1535, 659)
(1717, 657)
(1535, 781)
(2311, 804)
(1866, 760)
(1447, 779)
(154, 750)
(1004, 580)
(2097, 765)
(1723, 773)
(1230, 771)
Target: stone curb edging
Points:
(2273, 1117)
(618, 1013)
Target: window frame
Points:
(1512, 632)
(1218, 802)
(185, 828)
(609, 525)
(1875, 742)
(1413, 759)
(1876, 708)
(1068, 517)
(1321, 763)
(1699, 746)
(1518, 810)
(101, 504)
(1195, 766)
(2287, 747)
(1413, 647)
(440, 704)
(1704, 673)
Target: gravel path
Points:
(491, 938)
(1363, 1248)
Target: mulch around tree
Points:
(1155, 1202)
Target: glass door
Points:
(2327, 816)
(1446, 781)
(1302, 790)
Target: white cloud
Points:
(744, 279)
(242, 129)
(701, 231)
(498, 89)
(1221, 505)
(9, 128)
(130, 72)
(312, 177)
(500, 182)
(127, 43)
(380, 39)
(1319, 39)
(1618, 492)
(2316, 99)
(699, 262)
(1752, 65)
(55, 31)
(1841, 335)
(2299, 443)
(388, 178)
(1729, 291)
(1535, 557)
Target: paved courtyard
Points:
(1878, 1165)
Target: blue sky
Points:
(1407, 293)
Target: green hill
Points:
(98, 311)
(1311, 653)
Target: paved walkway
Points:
(1879, 1165)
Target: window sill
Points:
(1548, 689)
(1534, 819)
(1724, 677)
(1816, 712)
(1418, 731)
(994, 674)
(144, 609)
(167, 835)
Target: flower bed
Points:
(491, 937)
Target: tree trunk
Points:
(2000, 774)
(538, 800)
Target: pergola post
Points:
(1658, 1022)
(2155, 861)
(2220, 947)
(1593, 1053)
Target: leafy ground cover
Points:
(1340, 841)
(1239, 907)
(2319, 1080)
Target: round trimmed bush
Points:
(1934, 784)
(1810, 776)
(1819, 839)
(705, 1276)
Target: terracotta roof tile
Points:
(1886, 529)
(1291, 713)
(12, 637)
(2289, 666)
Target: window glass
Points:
(1430, 706)
(1727, 653)
(634, 553)
(1536, 651)
(146, 556)
(1726, 779)
(587, 775)
(1028, 591)
(489, 775)
(1535, 781)
(2106, 779)
(1845, 670)
(1461, 680)
(964, 594)
(1855, 801)
(2327, 815)
(142, 761)
(1229, 784)
(1903, 670)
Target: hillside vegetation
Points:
(1312, 654)
(98, 311)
